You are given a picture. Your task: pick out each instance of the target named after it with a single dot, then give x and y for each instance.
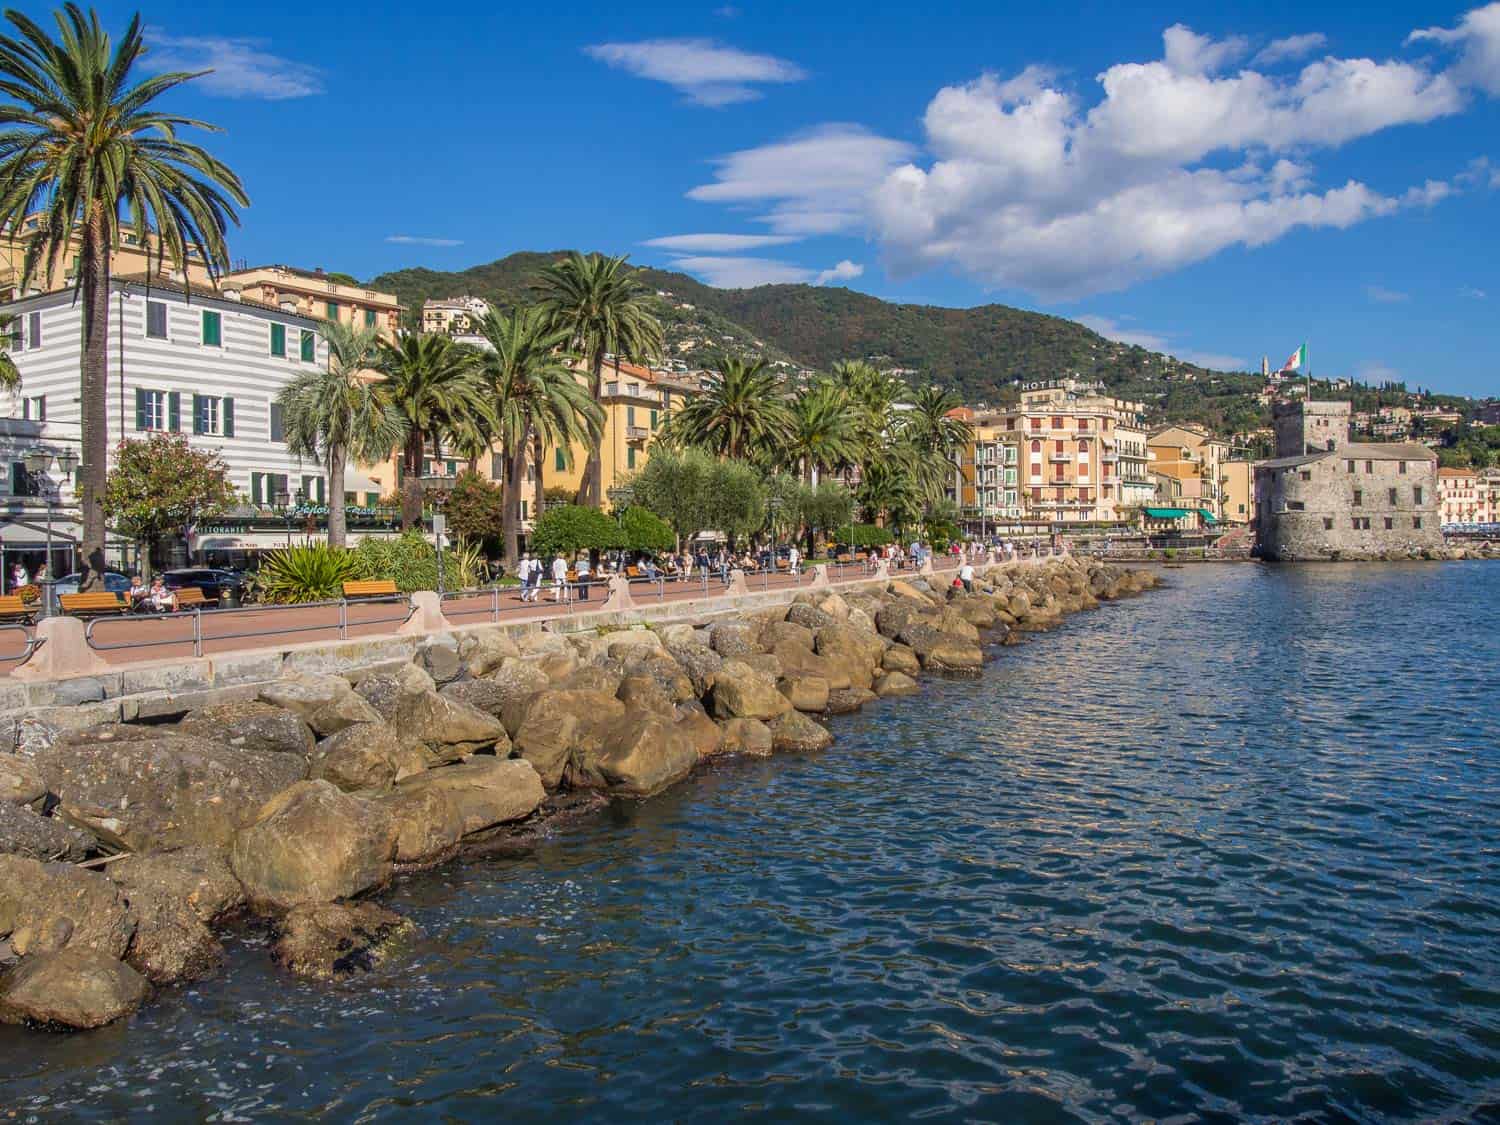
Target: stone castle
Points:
(1324, 497)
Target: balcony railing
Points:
(636, 433)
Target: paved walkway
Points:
(127, 640)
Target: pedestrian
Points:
(794, 560)
(17, 577)
(584, 570)
(559, 578)
(966, 576)
(529, 573)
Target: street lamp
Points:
(38, 461)
(283, 501)
(439, 487)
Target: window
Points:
(332, 308)
(1083, 423)
(1392, 493)
(155, 410)
(559, 460)
(34, 408)
(1389, 523)
(372, 499)
(309, 346)
(213, 329)
(34, 330)
(1416, 494)
(1305, 475)
(1295, 506)
(278, 423)
(213, 416)
(1416, 522)
(630, 416)
(156, 320)
(1036, 495)
(1057, 423)
(525, 505)
(1361, 523)
(1349, 465)
(1402, 469)
(497, 466)
(16, 335)
(1369, 466)
(630, 457)
(1036, 423)
(369, 318)
(278, 340)
(653, 419)
(1359, 498)
(1327, 523)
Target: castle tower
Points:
(1310, 427)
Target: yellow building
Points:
(316, 294)
(455, 316)
(1196, 459)
(1238, 481)
(131, 259)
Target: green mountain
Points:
(983, 352)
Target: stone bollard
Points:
(619, 598)
(62, 651)
(737, 586)
(428, 615)
(820, 578)
(883, 569)
(926, 568)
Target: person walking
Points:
(584, 569)
(794, 561)
(530, 572)
(559, 578)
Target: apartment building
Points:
(316, 295)
(132, 258)
(1238, 480)
(1195, 458)
(455, 316)
(987, 482)
(1463, 497)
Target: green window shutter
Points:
(653, 419)
(278, 340)
(559, 460)
(372, 499)
(309, 347)
(212, 328)
(333, 310)
(630, 458)
(452, 467)
(369, 318)
(322, 491)
(630, 415)
(351, 499)
(174, 412)
(197, 414)
(257, 491)
(140, 408)
(227, 406)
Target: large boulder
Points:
(562, 725)
(171, 943)
(439, 658)
(70, 988)
(955, 656)
(844, 643)
(516, 684)
(895, 683)
(806, 693)
(796, 661)
(428, 824)
(662, 668)
(486, 651)
(700, 663)
(695, 725)
(251, 725)
(305, 694)
(28, 833)
(894, 617)
(313, 843)
(449, 729)
(643, 754)
(484, 791)
(50, 906)
(368, 756)
(346, 711)
(734, 637)
(808, 616)
(21, 781)
(643, 693)
(741, 692)
(900, 658)
(746, 736)
(848, 700)
(388, 692)
(601, 677)
(795, 732)
(199, 877)
(152, 789)
(623, 644)
(778, 636)
(482, 695)
(330, 940)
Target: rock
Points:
(346, 711)
(330, 940)
(151, 789)
(624, 643)
(895, 683)
(918, 591)
(305, 694)
(703, 733)
(643, 693)
(765, 663)
(439, 659)
(804, 662)
(27, 833)
(835, 606)
(388, 692)
(955, 656)
(746, 736)
(977, 611)
(740, 692)
(662, 668)
(539, 642)
(808, 616)
(72, 988)
(557, 665)
(734, 637)
(547, 742)
(900, 658)
(550, 742)
(368, 756)
(795, 732)
(485, 791)
(593, 677)
(313, 843)
(848, 700)
(700, 663)
(780, 635)
(845, 644)
(862, 620)
(33, 735)
(482, 695)
(486, 652)
(951, 621)
(450, 729)
(251, 725)
(679, 634)
(171, 943)
(20, 780)
(517, 683)
(893, 618)
(50, 906)
(806, 693)
(921, 636)
(643, 755)
(428, 824)
(199, 877)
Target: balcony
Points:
(1060, 457)
(636, 433)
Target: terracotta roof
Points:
(1446, 472)
(196, 292)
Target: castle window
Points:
(1327, 523)
(1350, 465)
(1416, 494)
(1295, 506)
(1416, 522)
(1369, 466)
(1359, 498)
(1403, 467)
(1305, 475)
(1389, 523)
(1392, 493)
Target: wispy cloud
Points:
(706, 72)
(717, 243)
(844, 271)
(1473, 294)
(241, 67)
(1383, 296)
(1292, 47)
(422, 240)
(724, 271)
(1112, 329)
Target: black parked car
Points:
(213, 582)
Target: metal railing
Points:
(29, 644)
(196, 617)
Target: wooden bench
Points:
(190, 597)
(12, 608)
(93, 604)
(632, 572)
(371, 588)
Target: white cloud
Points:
(1376, 371)
(1292, 47)
(1472, 294)
(707, 72)
(240, 67)
(844, 271)
(1383, 296)
(1157, 342)
(1026, 184)
(1477, 40)
(422, 240)
(718, 243)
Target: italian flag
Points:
(1297, 360)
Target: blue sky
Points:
(1220, 182)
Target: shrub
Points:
(869, 535)
(646, 531)
(571, 527)
(311, 572)
(475, 508)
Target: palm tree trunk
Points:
(591, 492)
(539, 496)
(337, 524)
(510, 524)
(411, 487)
(94, 463)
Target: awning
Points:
(1208, 517)
(1167, 513)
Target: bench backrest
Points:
(91, 602)
(370, 588)
(190, 595)
(12, 603)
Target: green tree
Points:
(675, 486)
(887, 493)
(430, 383)
(736, 499)
(10, 375)
(88, 151)
(537, 400)
(475, 508)
(337, 413)
(824, 432)
(935, 437)
(645, 530)
(741, 413)
(603, 309)
(163, 485)
(571, 528)
(873, 396)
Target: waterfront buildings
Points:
(1323, 497)
(1237, 478)
(1195, 458)
(316, 295)
(1468, 496)
(457, 316)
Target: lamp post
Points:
(283, 502)
(38, 461)
(438, 486)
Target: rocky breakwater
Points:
(124, 849)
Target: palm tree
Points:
(84, 147)
(601, 308)
(429, 381)
(537, 401)
(10, 374)
(887, 494)
(873, 397)
(823, 433)
(936, 435)
(332, 415)
(742, 412)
